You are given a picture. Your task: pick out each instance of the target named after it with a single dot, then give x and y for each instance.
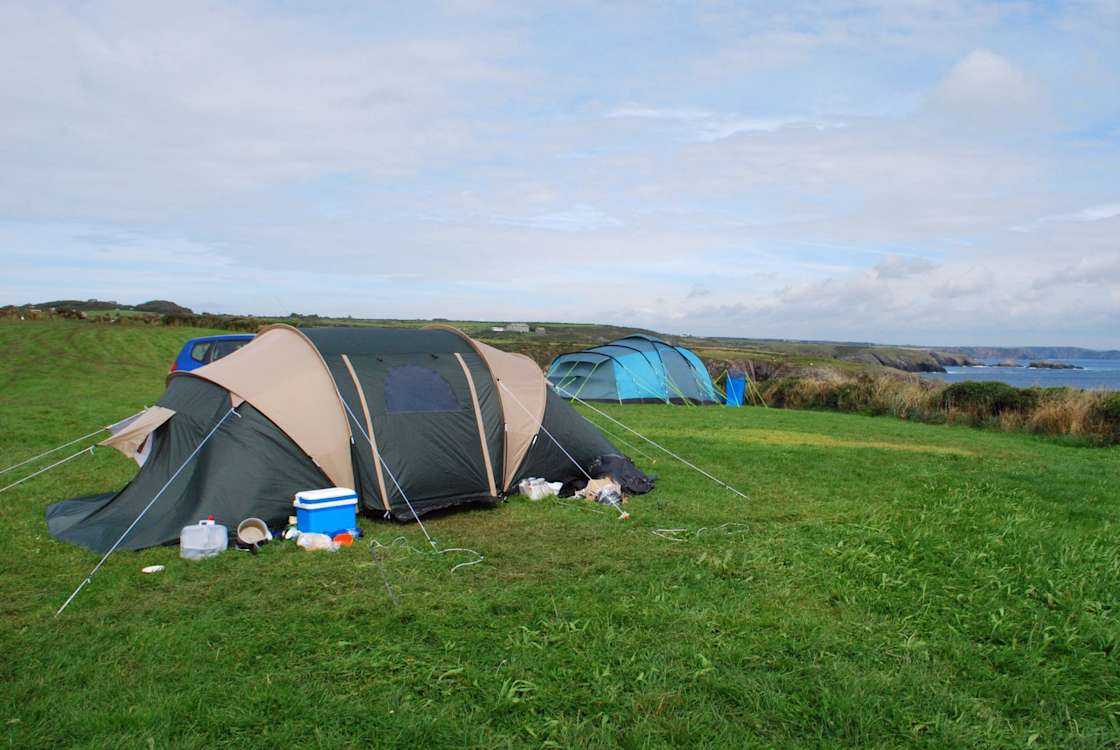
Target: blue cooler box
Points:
(326, 511)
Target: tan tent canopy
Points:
(523, 397)
(129, 436)
(282, 374)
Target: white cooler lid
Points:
(326, 503)
(330, 493)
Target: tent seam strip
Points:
(369, 426)
(481, 426)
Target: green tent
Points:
(414, 420)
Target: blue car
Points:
(204, 350)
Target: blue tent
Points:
(637, 368)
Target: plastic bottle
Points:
(204, 539)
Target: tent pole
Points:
(147, 507)
(695, 373)
(588, 377)
(758, 393)
(642, 383)
(564, 379)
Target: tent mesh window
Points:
(410, 388)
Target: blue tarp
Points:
(736, 388)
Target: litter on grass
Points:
(603, 491)
(313, 541)
(537, 488)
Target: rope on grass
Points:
(682, 534)
(402, 543)
(384, 576)
(88, 450)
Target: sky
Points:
(933, 172)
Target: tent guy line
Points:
(389, 472)
(374, 546)
(67, 444)
(52, 450)
(621, 512)
(546, 432)
(622, 440)
(88, 450)
(131, 526)
(415, 515)
(687, 463)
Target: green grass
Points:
(892, 584)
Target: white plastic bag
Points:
(311, 542)
(605, 491)
(536, 488)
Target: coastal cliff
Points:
(909, 360)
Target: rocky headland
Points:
(1048, 365)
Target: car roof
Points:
(223, 337)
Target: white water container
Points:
(203, 539)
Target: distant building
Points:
(518, 327)
(539, 330)
(498, 329)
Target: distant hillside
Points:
(157, 306)
(163, 307)
(547, 339)
(77, 304)
(1034, 352)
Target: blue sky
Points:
(907, 171)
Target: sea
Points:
(1097, 373)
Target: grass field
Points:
(887, 584)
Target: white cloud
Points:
(901, 267)
(580, 218)
(1101, 271)
(1098, 212)
(698, 291)
(987, 91)
(702, 125)
(973, 282)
